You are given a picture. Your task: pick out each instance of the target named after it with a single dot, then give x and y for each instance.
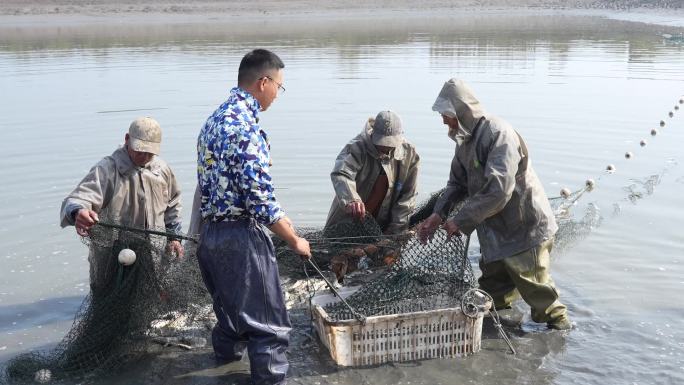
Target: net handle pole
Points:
(387, 236)
(144, 231)
(356, 314)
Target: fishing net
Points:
(427, 276)
(361, 243)
(417, 276)
(343, 248)
(424, 209)
(573, 228)
(158, 299)
(575, 224)
(125, 311)
(413, 276)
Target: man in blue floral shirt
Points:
(235, 254)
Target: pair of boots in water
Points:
(526, 275)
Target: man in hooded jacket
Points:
(506, 204)
(376, 174)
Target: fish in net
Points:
(417, 277)
(344, 247)
(352, 245)
(119, 319)
(124, 313)
(413, 276)
(429, 276)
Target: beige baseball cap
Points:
(387, 130)
(145, 135)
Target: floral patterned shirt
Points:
(233, 159)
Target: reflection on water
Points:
(446, 37)
(581, 90)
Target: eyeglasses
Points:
(280, 86)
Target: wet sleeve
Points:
(406, 203)
(172, 215)
(455, 191)
(343, 175)
(88, 194)
(499, 174)
(256, 182)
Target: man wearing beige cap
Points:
(133, 186)
(376, 174)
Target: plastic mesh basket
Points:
(441, 333)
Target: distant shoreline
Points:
(80, 23)
(35, 7)
(72, 13)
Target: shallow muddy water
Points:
(581, 90)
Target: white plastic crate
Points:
(443, 333)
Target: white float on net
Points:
(127, 257)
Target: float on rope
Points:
(589, 184)
(565, 192)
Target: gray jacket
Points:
(506, 201)
(356, 169)
(144, 197)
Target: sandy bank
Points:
(27, 13)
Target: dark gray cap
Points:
(387, 130)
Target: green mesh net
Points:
(120, 318)
(125, 313)
(349, 245)
(571, 227)
(427, 276)
(416, 276)
(412, 276)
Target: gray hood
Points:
(506, 202)
(457, 100)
